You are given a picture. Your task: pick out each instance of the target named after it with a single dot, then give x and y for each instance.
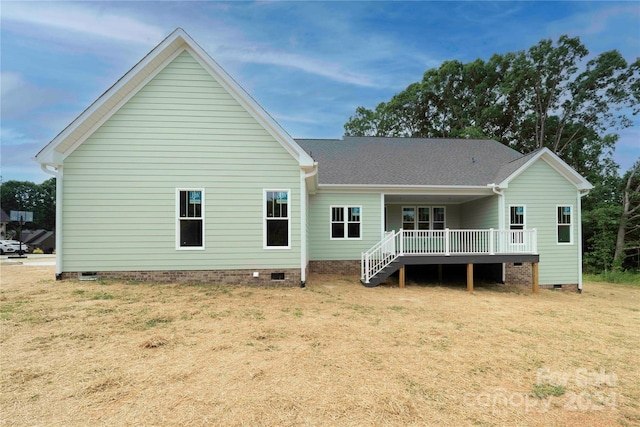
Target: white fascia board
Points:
(408, 189)
(557, 164)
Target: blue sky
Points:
(309, 64)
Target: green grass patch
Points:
(156, 321)
(102, 295)
(628, 277)
(542, 391)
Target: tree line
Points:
(550, 95)
(28, 196)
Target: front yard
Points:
(335, 353)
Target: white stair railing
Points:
(381, 255)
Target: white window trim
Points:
(346, 222)
(264, 219)
(178, 220)
(557, 224)
(416, 209)
(415, 216)
(433, 217)
(513, 240)
(524, 215)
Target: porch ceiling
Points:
(431, 199)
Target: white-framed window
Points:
(408, 218)
(423, 218)
(346, 222)
(277, 223)
(190, 218)
(439, 222)
(517, 221)
(564, 224)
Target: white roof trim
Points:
(174, 44)
(409, 189)
(556, 163)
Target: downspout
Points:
(581, 194)
(304, 201)
(496, 189)
(57, 173)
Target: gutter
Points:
(581, 194)
(304, 198)
(57, 173)
(496, 189)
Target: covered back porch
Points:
(443, 228)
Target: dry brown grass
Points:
(110, 353)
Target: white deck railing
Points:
(445, 242)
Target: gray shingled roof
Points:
(409, 161)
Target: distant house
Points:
(177, 174)
(41, 239)
(4, 220)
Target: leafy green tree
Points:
(628, 235)
(28, 196)
(546, 96)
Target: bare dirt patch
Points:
(336, 353)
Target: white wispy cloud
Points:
(82, 19)
(20, 96)
(330, 70)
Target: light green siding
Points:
(181, 130)
(321, 247)
(481, 214)
(541, 189)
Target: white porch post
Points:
(492, 250)
(447, 242)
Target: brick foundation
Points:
(226, 277)
(518, 274)
(351, 267)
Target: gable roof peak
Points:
(141, 73)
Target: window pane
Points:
(564, 214)
(337, 214)
(277, 232)
(354, 214)
(183, 204)
(408, 215)
(423, 215)
(438, 214)
(354, 230)
(191, 232)
(564, 234)
(517, 215)
(337, 230)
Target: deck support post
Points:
(402, 276)
(535, 277)
(439, 273)
(470, 277)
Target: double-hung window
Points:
(190, 224)
(564, 224)
(346, 222)
(277, 225)
(516, 222)
(438, 218)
